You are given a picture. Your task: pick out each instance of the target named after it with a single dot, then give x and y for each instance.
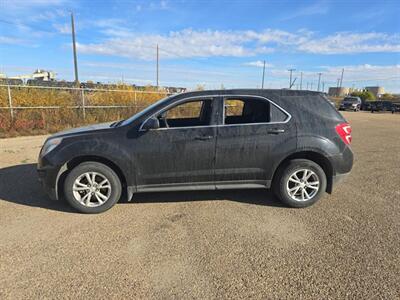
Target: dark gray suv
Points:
(294, 142)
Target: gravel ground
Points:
(232, 244)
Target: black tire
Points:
(282, 177)
(99, 168)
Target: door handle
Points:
(276, 131)
(203, 138)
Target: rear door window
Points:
(250, 110)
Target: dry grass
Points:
(39, 121)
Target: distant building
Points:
(37, 75)
(378, 91)
(171, 89)
(338, 91)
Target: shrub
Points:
(69, 111)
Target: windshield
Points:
(350, 100)
(144, 111)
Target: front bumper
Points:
(48, 177)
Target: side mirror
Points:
(151, 123)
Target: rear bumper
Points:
(342, 165)
(338, 178)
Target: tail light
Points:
(344, 131)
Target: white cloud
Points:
(189, 43)
(365, 72)
(186, 43)
(317, 8)
(64, 28)
(20, 5)
(347, 42)
(258, 63)
(12, 41)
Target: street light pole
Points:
(319, 80)
(290, 78)
(301, 80)
(74, 49)
(263, 76)
(157, 67)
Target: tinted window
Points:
(277, 115)
(351, 100)
(233, 107)
(186, 110)
(251, 110)
(187, 114)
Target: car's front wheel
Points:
(92, 187)
(300, 184)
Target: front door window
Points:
(188, 114)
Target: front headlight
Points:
(50, 145)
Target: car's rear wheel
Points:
(300, 184)
(92, 187)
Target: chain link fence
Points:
(37, 109)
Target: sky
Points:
(209, 43)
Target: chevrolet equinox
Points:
(294, 142)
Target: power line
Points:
(341, 78)
(74, 49)
(301, 80)
(263, 75)
(290, 78)
(157, 66)
(319, 80)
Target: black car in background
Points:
(351, 103)
(294, 142)
(366, 105)
(395, 107)
(380, 106)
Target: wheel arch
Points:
(72, 163)
(314, 156)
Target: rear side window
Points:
(251, 110)
(277, 115)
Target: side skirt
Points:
(199, 186)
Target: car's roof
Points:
(265, 92)
(297, 102)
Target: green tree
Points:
(364, 95)
(388, 96)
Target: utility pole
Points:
(337, 87)
(341, 78)
(263, 75)
(74, 49)
(301, 80)
(323, 86)
(290, 78)
(157, 68)
(319, 80)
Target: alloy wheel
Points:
(91, 189)
(303, 185)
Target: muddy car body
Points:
(221, 139)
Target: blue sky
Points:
(211, 43)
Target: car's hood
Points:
(85, 129)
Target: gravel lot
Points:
(232, 244)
